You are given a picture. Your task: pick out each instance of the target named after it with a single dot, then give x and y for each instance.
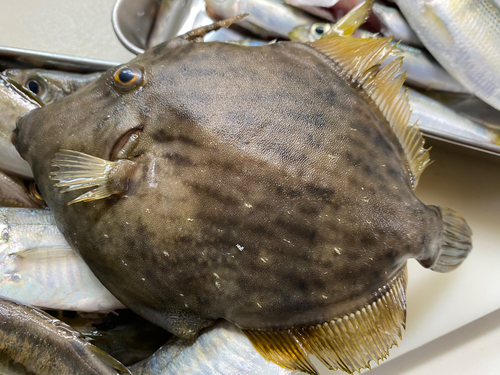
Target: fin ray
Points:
(347, 342)
(358, 59)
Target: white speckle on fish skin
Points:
(365, 200)
(182, 295)
(217, 285)
(395, 187)
(337, 250)
(370, 258)
(217, 276)
(264, 260)
(186, 305)
(189, 219)
(106, 236)
(147, 210)
(126, 222)
(383, 165)
(287, 241)
(354, 130)
(368, 222)
(143, 279)
(248, 205)
(258, 304)
(125, 264)
(153, 181)
(240, 248)
(324, 297)
(166, 254)
(362, 188)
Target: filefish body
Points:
(33, 342)
(50, 85)
(237, 182)
(37, 266)
(14, 101)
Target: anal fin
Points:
(348, 342)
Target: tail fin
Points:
(455, 241)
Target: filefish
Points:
(37, 266)
(222, 349)
(14, 101)
(33, 342)
(464, 36)
(212, 180)
(50, 85)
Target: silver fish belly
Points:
(38, 267)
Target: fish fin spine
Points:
(349, 23)
(348, 342)
(455, 244)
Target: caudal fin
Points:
(456, 241)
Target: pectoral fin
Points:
(78, 170)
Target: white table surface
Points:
(453, 324)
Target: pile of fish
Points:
(228, 193)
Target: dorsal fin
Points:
(359, 60)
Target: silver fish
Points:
(14, 101)
(13, 193)
(33, 342)
(394, 24)
(464, 36)
(169, 19)
(38, 267)
(421, 68)
(222, 349)
(50, 85)
(434, 117)
(266, 18)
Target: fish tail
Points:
(456, 242)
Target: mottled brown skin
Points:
(268, 192)
(34, 343)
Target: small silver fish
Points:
(50, 85)
(14, 101)
(38, 267)
(222, 349)
(33, 342)
(266, 18)
(394, 24)
(464, 36)
(434, 117)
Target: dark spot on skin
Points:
(178, 159)
(367, 169)
(207, 191)
(321, 192)
(328, 96)
(162, 136)
(289, 193)
(367, 241)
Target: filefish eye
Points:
(5, 234)
(320, 30)
(36, 87)
(128, 78)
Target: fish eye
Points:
(5, 234)
(128, 78)
(319, 30)
(35, 86)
